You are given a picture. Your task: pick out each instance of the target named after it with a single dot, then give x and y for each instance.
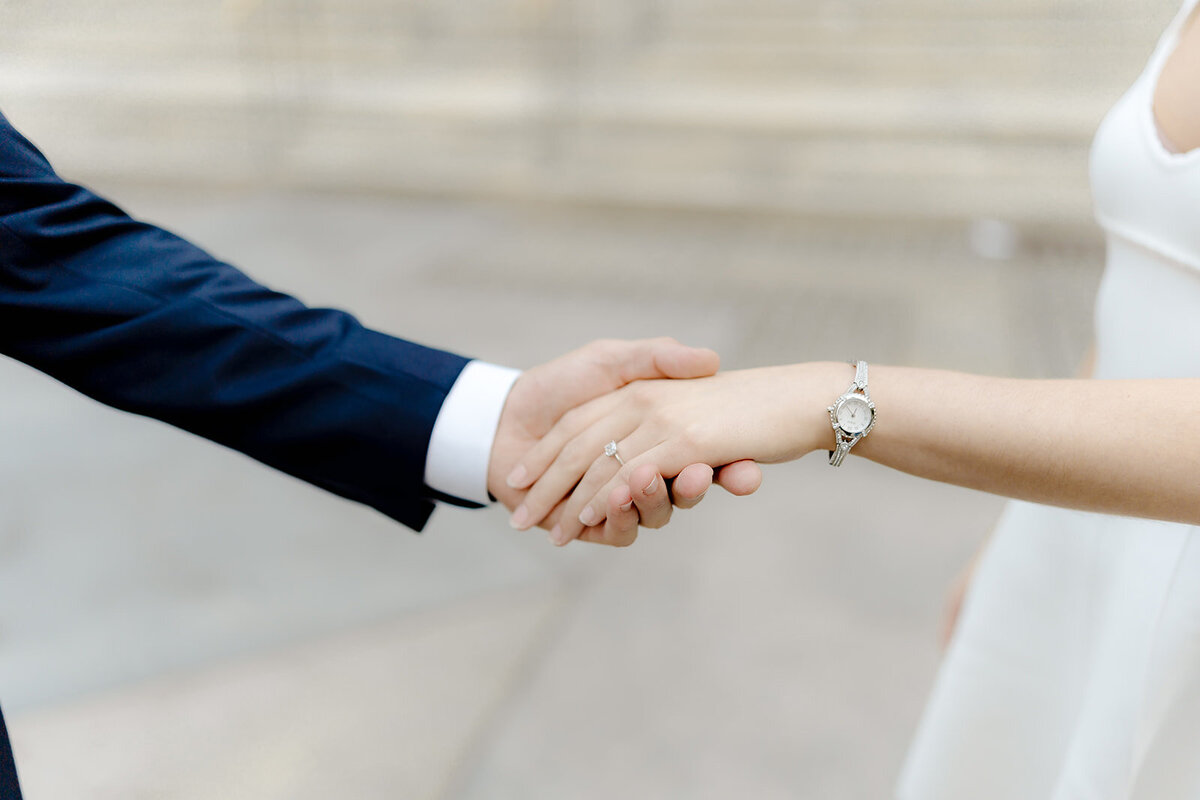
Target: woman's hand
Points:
(765, 415)
(543, 394)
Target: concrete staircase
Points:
(924, 109)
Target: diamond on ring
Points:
(610, 450)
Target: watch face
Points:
(854, 414)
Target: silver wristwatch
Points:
(852, 415)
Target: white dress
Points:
(1075, 672)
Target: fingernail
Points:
(651, 486)
(587, 517)
(520, 518)
(626, 506)
(516, 478)
(556, 536)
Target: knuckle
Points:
(643, 395)
(575, 456)
(659, 516)
(660, 417)
(623, 539)
(538, 503)
(568, 454)
(694, 436)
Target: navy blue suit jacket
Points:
(142, 320)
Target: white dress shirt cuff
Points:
(461, 445)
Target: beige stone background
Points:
(510, 178)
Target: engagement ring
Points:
(610, 449)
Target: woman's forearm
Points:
(1122, 447)
(1127, 447)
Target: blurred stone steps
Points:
(359, 32)
(890, 110)
(920, 9)
(818, 153)
(517, 155)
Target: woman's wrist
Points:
(795, 419)
(823, 382)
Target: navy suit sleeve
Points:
(142, 320)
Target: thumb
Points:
(659, 358)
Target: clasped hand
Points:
(556, 411)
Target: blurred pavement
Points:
(177, 621)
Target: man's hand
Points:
(542, 395)
(647, 499)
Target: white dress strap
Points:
(1170, 37)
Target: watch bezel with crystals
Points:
(844, 439)
(858, 399)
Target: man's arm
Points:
(142, 320)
